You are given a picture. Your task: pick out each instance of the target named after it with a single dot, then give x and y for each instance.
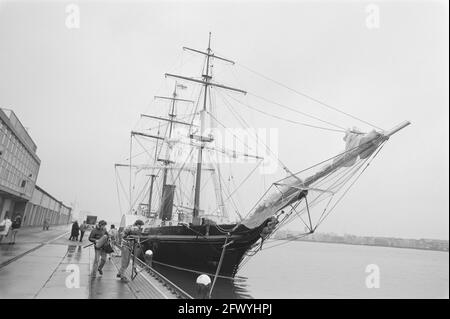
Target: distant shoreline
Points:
(356, 244)
(363, 244)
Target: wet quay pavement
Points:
(27, 239)
(48, 265)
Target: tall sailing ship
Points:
(193, 221)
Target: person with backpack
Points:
(99, 237)
(83, 228)
(113, 235)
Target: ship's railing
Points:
(172, 287)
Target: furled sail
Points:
(167, 202)
(292, 189)
(277, 200)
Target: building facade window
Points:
(18, 168)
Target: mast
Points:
(168, 190)
(152, 176)
(206, 78)
(207, 84)
(217, 178)
(171, 118)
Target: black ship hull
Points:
(199, 248)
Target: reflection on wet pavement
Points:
(56, 268)
(57, 271)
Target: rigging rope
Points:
(227, 191)
(308, 97)
(143, 147)
(351, 171)
(123, 189)
(230, 107)
(287, 241)
(341, 130)
(118, 192)
(290, 108)
(333, 157)
(234, 135)
(285, 221)
(245, 179)
(323, 217)
(198, 101)
(219, 265)
(140, 193)
(356, 179)
(131, 149)
(194, 271)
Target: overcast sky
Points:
(80, 91)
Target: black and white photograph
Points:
(235, 150)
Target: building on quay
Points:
(19, 168)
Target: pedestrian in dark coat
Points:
(98, 237)
(17, 223)
(75, 231)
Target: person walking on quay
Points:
(83, 228)
(99, 237)
(16, 224)
(5, 227)
(46, 225)
(75, 231)
(114, 235)
(128, 246)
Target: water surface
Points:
(322, 270)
